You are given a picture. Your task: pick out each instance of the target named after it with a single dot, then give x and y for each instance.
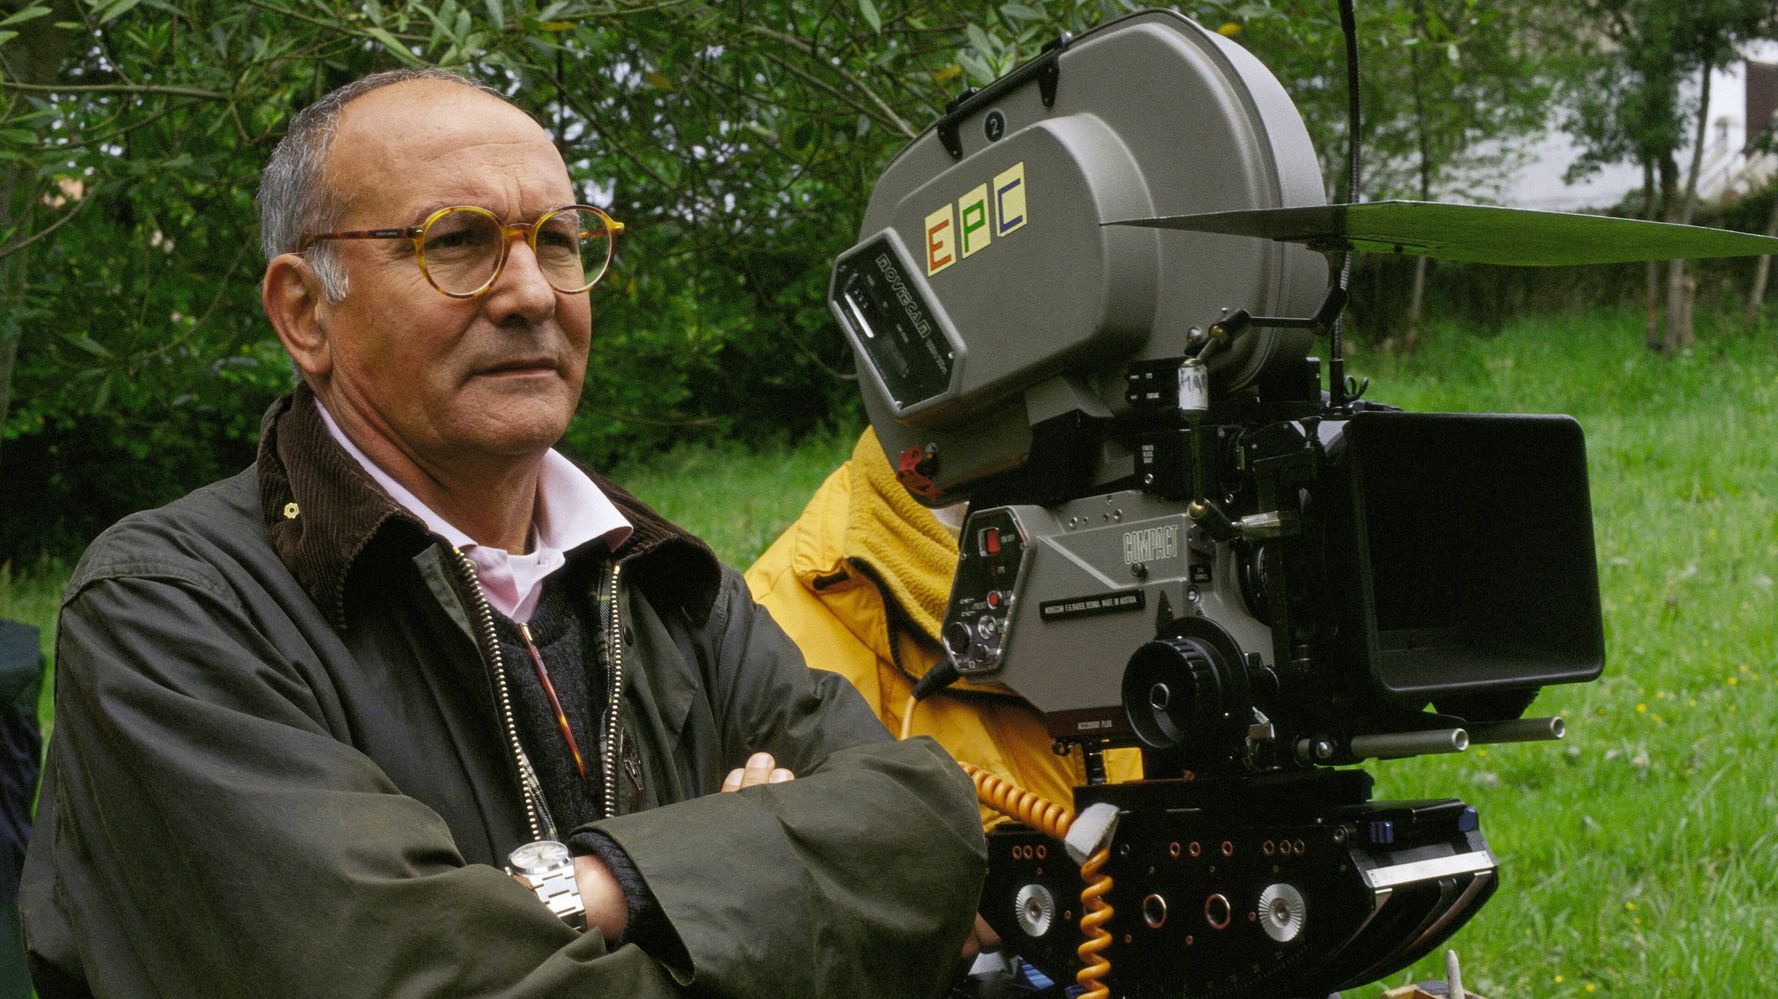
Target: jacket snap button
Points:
(629, 636)
(291, 510)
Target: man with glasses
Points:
(417, 706)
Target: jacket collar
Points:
(326, 519)
(912, 555)
(863, 525)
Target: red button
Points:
(993, 598)
(990, 541)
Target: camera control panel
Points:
(991, 553)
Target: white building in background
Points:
(1726, 171)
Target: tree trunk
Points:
(1756, 296)
(1651, 299)
(1411, 337)
(1669, 174)
(1681, 292)
(12, 280)
(35, 57)
(1679, 316)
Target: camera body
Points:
(1176, 541)
(1377, 584)
(1270, 591)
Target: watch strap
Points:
(558, 890)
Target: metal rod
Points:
(1519, 730)
(1397, 745)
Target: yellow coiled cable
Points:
(1053, 821)
(1096, 912)
(1009, 799)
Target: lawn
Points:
(1640, 856)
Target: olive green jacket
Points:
(279, 768)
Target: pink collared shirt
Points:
(571, 510)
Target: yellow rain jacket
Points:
(860, 582)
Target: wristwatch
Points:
(547, 868)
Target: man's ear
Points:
(294, 302)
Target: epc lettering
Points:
(979, 217)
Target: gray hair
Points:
(292, 197)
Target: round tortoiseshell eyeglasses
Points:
(462, 249)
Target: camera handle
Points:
(1343, 391)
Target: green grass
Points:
(1640, 856)
(33, 595)
(735, 498)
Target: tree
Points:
(1446, 88)
(1475, 84)
(1628, 107)
(1708, 39)
(1762, 142)
(40, 45)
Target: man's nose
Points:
(521, 290)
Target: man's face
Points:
(451, 383)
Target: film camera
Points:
(1086, 301)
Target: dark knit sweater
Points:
(568, 637)
(565, 631)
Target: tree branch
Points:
(808, 49)
(52, 227)
(643, 8)
(117, 132)
(893, 121)
(115, 88)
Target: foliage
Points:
(1624, 95)
(1627, 96)
(1444, 84)
(1624, 106)
(738, 141)
(1627, 107)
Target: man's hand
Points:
(981, 937)
(607, 911)
(760, 769)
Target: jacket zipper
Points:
(530, 788)
(614, 643)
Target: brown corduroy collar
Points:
(325, 516)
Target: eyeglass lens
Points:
(462, 249)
